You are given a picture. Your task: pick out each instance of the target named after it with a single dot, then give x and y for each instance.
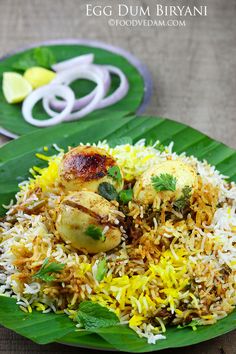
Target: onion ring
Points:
(57, 105)
(119, 93)
(92, 73)
(116, 96)
(60, 90)
(68, 64)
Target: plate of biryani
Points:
(118, 234)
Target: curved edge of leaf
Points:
(124, 339)
(42, 137)
(38, 327)
(203, 146)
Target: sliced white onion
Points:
(89, 72)
(62, 91)
(119, 93)
(71, 109)
(53, 104)
(116, 96)
(70, 63)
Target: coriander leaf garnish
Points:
(92, 315)
(40, 56)
(107, 191)
(115, 173)
(183, 201)
(164, 182)
(126, 196)
(95, 232)
(101, 269)
(48, 268)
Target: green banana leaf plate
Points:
(12, 123)
(18, 156)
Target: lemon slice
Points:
(15, 87)
(38, 76)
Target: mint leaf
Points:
(95, 232)
(107, 191)
(44, 57)
(183, 201)
(25, 62)
(40, 56)
(101, 269)
(48, 268)
(164, 182)
(115, 173)
(126, 196)
(92, 315)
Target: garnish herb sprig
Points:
(183, 201)
(114, 172)
(126, 195)
(95, 232)
(107, 191)
(40, 56)
(46, 270)
(92, 315)
(164, 182)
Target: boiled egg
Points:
(88, 222)
(177, 171)
(85, 167)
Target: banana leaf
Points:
(10, 115)
(18, 156)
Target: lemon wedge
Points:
(15, 87)
(38, 76)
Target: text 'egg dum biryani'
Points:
(138, 231)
